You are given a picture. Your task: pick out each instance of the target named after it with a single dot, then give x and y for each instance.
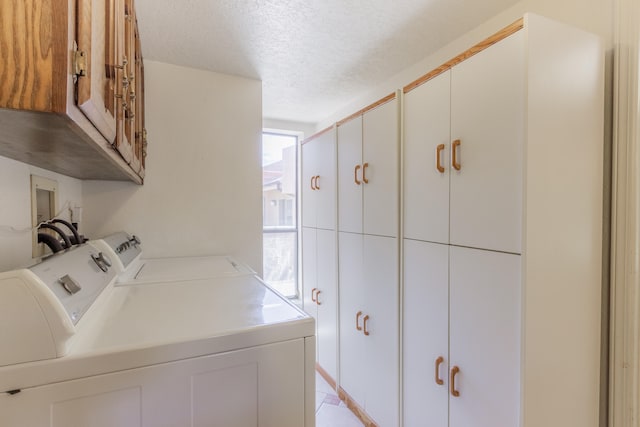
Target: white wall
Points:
(15, 209)
(595, 16)
(202, 191)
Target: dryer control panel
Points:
(41, 306)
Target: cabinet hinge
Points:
(79, 63)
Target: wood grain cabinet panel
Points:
(67, 97)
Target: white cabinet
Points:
(319, 181)
(502, 237)
(487, 121)
(380, 168)
(263, 386)
(368, 215)
(426, 160)
(308, 176)
(382, 342)
(426, 333)
(463, 159)
(309, 270)
(369, 324)
(352, 294)
(368, 171)
(461, 322)
(484, 338)
(350, 176)
(319, 270)
(511, 135)
(320, 293)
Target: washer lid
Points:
(178, 312)
(154, 270)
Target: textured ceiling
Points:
(313, 56)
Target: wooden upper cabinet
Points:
(97, 84)
(77, 62)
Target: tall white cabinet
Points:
(368, 205)
(502, 234)
(319, 244)
(469, 256)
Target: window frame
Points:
(299, 136)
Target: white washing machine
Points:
(217, 351)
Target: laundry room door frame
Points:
(624, 349)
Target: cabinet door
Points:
(123, 73)
(96, 36)
(352, 301)
(426, 333)
(141, 133)
(309, 168)
(380, 169)
(327, 301)
(261, 385)
(485, 337)
(426, 161)
(350, 176)
(326, 181)
(382, 344)
(487, 117)
(130, 114)
(309, 270)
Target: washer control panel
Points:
(126, 247)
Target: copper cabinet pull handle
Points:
(439, 150)
(454, 372)
(439, 361)
(317, 178)
(358, 327)
(364, 173)
(355, 174)
(454, 154)
(312, 296)
(365, 319)
(318, 292)
(312, 186)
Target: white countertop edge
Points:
(80, 365)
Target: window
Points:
(279, 212)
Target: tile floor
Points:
(330, 410)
